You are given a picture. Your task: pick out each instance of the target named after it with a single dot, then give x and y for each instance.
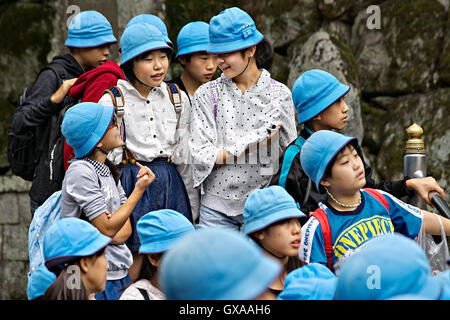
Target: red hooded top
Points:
(89, 87)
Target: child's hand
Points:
(62, 92)
(145, 177)
(423, 186)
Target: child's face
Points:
(347, 173)
(232, 64)
(152, 69)
(335, 116)
(111, 139)
(282, 239)
(95, 277)
(201, 67)
(94, 57)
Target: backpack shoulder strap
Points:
(144, 293)
(58, 70)
(175, 98)
(378, 196)
(288, 158)
(322, 217)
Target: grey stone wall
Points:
(15, 220)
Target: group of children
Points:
(150, 162)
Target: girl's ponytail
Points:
(264, 54)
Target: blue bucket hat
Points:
(39, 282)
(84, 126)
(231, 30)
(318, 151)
(139, 38)
(385, 267)
(310, 282)
(159, 229)
(216, 264)
(154, 21)
(314, 91)
(72, 238)
(89, 29)
(267, 206)
(193, 37)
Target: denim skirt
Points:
(167, 191)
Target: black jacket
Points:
(41, 115)
(297, 182)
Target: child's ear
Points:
(84, 265)
(99, 145)
(318, 117)
(182, 60)
(325, 182)
(259, 235)
(154, 259)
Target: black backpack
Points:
(22, 151)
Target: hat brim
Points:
(192, 49)
(261, 223)
(236, 45)
(91, 42)
(98, 134)
(150, 46)
(432, 289)
(336, 94)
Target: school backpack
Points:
(44, 217)
(119, 103)
(322, 218)
(22, 151)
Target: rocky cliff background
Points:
(395, 55)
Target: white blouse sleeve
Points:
(203, 142)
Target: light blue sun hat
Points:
(159, 230)
(318, 151)
(266, 206)
(388, 266)
(216, 264)
(71, 238)
(314, 91)
(154, 21)
(193, 37)
(84, 126)
(311, 282)
(139, 38)
(39, 282)
(231, 30)
(89, 29)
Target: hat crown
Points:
(139, 34)
(151, 20)
(193, 33)
(162, 224)
(84, 125)
(70, 237)
(222, 259)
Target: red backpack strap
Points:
(377, 195)
(322, 217)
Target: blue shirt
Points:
(352, 229)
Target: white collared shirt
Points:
(150, 122)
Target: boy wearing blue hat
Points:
(389, 267)
(350, 215)
(198, 68)
(150, 126)
(92, 191)
(217, 264)
(272, 220)
(319, 100)
(74, 251)
(89, 37)
(231, 115)
(158, 231)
